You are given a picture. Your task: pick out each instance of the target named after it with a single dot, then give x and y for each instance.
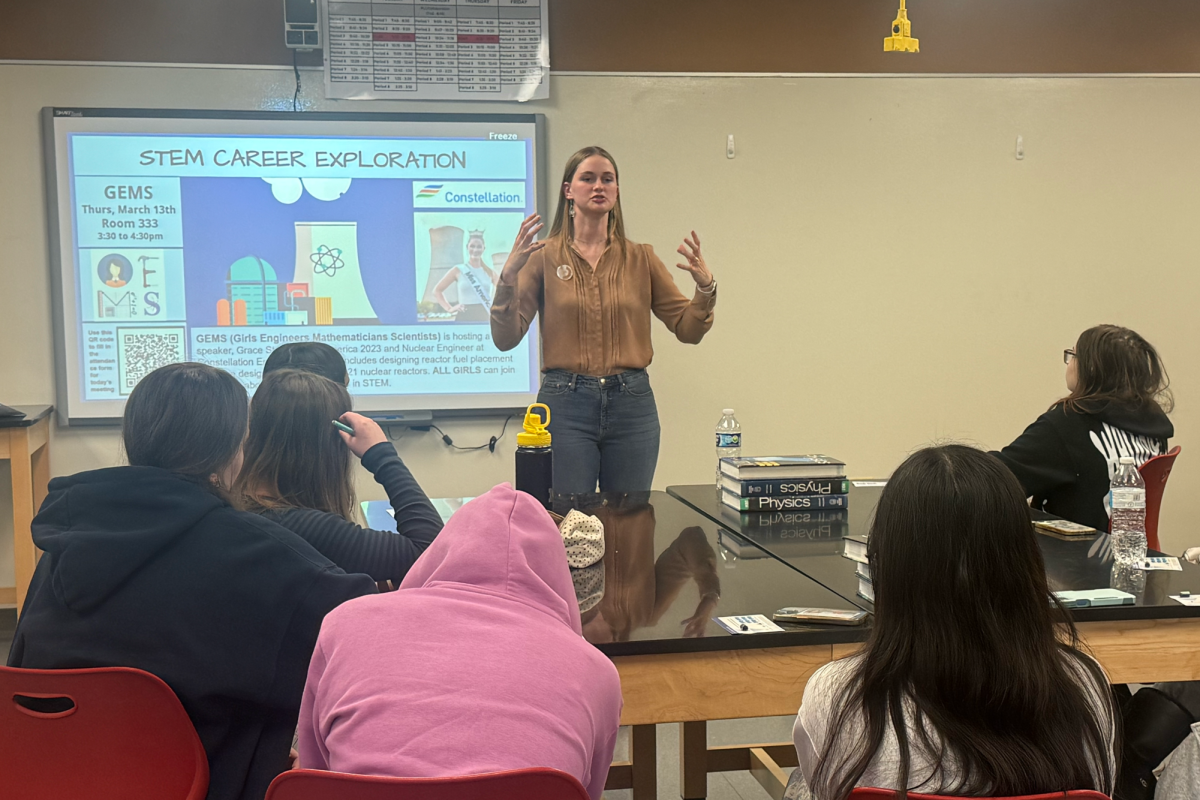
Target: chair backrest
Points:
(112, 733)
(888, 794)
(518, 784)
(1155, 473)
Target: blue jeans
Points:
(603, 429)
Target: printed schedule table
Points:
(437, 49)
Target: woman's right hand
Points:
(522, 248)
(367, 433)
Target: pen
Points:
(341, 426)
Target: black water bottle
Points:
(535, 462)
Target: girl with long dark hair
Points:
(972, 681)
(298, 472)
(316, 357)
(149, 566)
(1116, 407)
(595, 292)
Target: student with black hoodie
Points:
(149, 566)
(1117, 406)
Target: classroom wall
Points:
(985, 36)
(890, 274)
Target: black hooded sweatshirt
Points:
(144, 568)
(1065, 460)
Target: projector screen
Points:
(219, 236)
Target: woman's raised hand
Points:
(522, 248)
(690, 250)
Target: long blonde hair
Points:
(564, 223)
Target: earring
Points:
(571, 209)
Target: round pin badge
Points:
(564, 272)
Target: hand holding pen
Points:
(359, 433)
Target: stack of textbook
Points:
(855, 549)
(783, 483)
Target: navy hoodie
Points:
(1065, 460)
(144, 568)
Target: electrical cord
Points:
(490, 444)
(296, 96)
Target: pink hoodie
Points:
(476, 664)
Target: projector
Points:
(300, 29)
(901, 40)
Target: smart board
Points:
(219, 236)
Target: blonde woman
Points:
(595, 292)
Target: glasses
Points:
(1068, 356)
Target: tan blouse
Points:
(596, 322)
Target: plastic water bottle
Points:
(729, 439)
(1128, 501)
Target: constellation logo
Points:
(470, 194)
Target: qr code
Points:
(140, 351)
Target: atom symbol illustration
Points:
(327, 260)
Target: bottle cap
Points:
(1126, 459)
(727, 412)
(535, 433)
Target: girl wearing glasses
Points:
(1116, 406)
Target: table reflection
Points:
(637, 589)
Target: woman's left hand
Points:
(690, 250)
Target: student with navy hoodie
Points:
(149, 566)
(1117, 406)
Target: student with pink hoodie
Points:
(477, 664)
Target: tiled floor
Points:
(721, 785)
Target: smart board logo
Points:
(470, 194)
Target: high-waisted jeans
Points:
(602, 429)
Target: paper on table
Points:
(753, 623)
(1161, 562)
(1187, 600)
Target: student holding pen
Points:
(298, 472)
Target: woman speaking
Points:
(595, 291)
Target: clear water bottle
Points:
(729, 439)
(1128, 501)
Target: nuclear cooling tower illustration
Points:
(327, 260)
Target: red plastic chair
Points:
(1155, 473)
(517, 784)
(888, 794)
(112, 733)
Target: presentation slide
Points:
(219, 240)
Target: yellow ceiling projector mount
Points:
(901, 40)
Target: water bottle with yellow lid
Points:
(535, 462)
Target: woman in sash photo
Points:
(476, 284)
